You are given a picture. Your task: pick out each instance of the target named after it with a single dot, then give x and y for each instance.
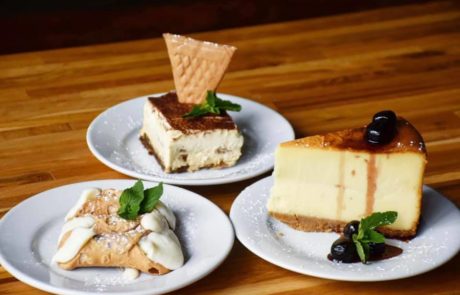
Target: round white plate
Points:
(437, 241)
(113, 137)
(29, 233)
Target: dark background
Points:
(37, 25)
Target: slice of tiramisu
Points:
(189, 129)
(188, 144)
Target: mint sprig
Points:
(151, 198)
(212, 105)
(367, 233)
(135, 200)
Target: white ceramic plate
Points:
(29, 232)
(437, 241)
(113, 137)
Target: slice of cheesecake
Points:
(324, 181)
(179, 144)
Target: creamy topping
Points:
(154, 221)
(167, 213)
(84, 222)
(130, 274)
(163, 248)
(77, 239)
(161, 245)
(86, 195)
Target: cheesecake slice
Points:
(179, 144)
(324, 181)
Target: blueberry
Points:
(385, 115)
(344, 250)
(376, 249)
(351, 228)
(380, 132)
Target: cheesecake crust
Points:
(173, 111)
(313, 224)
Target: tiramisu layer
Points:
(182, 144)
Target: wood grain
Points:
(322, 74)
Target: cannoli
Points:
(94, 235)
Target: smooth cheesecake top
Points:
(173, 111)
(407, 139)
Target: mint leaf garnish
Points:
(151, 198)
(228, 105)
(212, 105)
(375, 237)
(197, 111)
(130, 201)
(359, 248)
(367, 233)
(135, 201)
(379, 219)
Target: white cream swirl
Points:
(161, 245)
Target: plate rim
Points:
(48, 287)
(288, 266)
(189, 182)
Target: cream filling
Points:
(130, 274)
(167, 213)
(159, 132)
(161, 245)
(195, 150)
(86, 195)
(163, 248)
(77, 239)
(84, 222)
(154, 221)
(206, 149)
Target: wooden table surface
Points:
(321, 74)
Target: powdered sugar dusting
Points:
(117, 141)
(205, 233)
(307, 252)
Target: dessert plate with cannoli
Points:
(191, 135)
(350, 205)
(114, 236)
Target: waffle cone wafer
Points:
(95, 253)
(197, 66)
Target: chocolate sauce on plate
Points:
(390, 252)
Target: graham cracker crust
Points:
(145, 140)
(312, 224)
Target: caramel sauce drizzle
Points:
(371, 183)
(341, 186)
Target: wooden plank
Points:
(322, 74)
